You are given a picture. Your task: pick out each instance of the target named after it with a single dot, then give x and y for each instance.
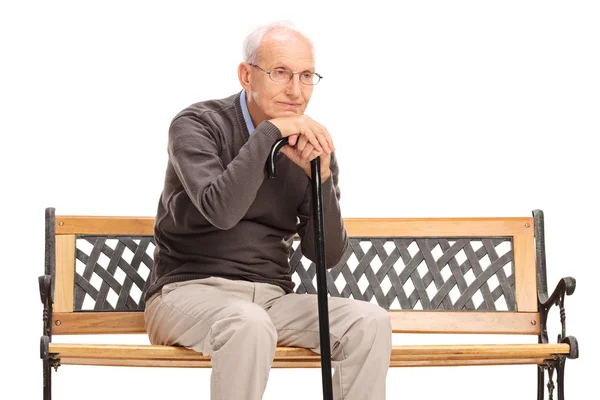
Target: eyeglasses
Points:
(284, 75)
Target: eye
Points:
(279, 72)
(307, 75)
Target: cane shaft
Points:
(317, 204)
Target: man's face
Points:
(274, 99)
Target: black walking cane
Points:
(317, 201)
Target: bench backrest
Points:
(434, 275)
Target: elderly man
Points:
(221, 284)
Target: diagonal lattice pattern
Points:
(111, 273)
(396, 273)
(420, 273)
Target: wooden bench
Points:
(436, 275)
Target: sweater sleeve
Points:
(222, 194)
(336, 237)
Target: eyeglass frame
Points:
(292, 77)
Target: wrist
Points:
(283, 124)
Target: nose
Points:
(293, 88)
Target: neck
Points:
(256, 115)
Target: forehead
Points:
(286, 48)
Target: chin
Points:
(289, 113)
(279, 114)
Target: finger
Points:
(306, 153)
(310, 135)
(316, 154)
(292, 140)
(288, 151)
(301, 144)
(321, 137)
(327, 135)
(325, 161)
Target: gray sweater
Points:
(220, 215)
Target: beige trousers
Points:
(239, 324)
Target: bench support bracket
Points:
(46, 284)
(558, 365)
(565, 287)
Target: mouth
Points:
(289, 106)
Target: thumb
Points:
(292, 140)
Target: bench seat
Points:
(289, 357)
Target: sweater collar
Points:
(246, 113)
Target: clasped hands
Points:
(307, 140)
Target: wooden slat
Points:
(65, 273)
(411, 227)
(406, 352)
(136, 363)
(92, 225)
(458, 363)
(97, 323)
(444, 227)
(290, 364)
(465, 322)
(287, 357)
(525, 273)
(155, 352)
(178, 364)
(402, 322)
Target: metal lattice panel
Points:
(397, 273)
(414, 273)
(111, 273)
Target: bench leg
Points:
(541, 376)
(48, 362)
(47, 380)
(560, 377)
(559, 366)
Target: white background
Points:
(438, 109)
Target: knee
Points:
(372, 313)
(373, 320)
(245, 329)
(369, 332)
(382, 318)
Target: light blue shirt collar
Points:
(246, 113)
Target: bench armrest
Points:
(47, 297)
(566, 286)
(45, 282)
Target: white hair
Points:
(251, 47)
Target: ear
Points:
(244, 76)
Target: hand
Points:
(303, 153)
(303, 126)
